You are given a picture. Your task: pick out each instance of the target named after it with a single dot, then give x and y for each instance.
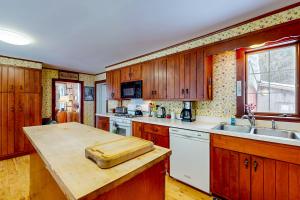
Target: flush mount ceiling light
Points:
(13, 37)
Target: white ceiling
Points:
(87, 35)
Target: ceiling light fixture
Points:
(257, 45)
(13, 37)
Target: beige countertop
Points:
(208, 127)
(62, 148)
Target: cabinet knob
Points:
(255, 165)
(187, 91)
(246, 162)
(182, 91)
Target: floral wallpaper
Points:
(278, 18)
(224, 93)
(89, 113)
(47, 76)
(20, 63)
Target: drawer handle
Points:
(255, 165)
(246, 163)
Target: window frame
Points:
(242, 74)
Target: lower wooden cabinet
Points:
(102, 123)
(239, 175)
(159, 135)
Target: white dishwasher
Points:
(189, 161)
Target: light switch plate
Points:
(238, 88)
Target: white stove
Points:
(121, 124)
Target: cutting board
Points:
(107, 155)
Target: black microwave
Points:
(131, 90)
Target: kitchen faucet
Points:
(251, 118)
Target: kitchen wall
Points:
(47, 76)
(21, 63)
(265, 22)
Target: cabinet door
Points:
(137, 129)
(282, 180)
(148, 79)
(269, 179)
(11, 123)
(244, 176)
(109, 83)
(135, 72)
(29, 79)
(160, 76)
(294, 181)
(220, 172)
(116, 84)
(19, 80)
(188, 62)
(8, 79)
(37, 81)
(125, 74)
(257, 178)
(4, 123)
(20, 122)
(173, 77)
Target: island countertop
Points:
(62, 149)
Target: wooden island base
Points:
(148, 185)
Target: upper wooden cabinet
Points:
(189, 76)
(113, 84)
(154, 76)
(131, 73)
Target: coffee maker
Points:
(188, 113)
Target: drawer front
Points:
(156, 129)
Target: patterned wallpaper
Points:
(89, 114)
(47, 76)
(20, 63)
(279, 18)
(224, 102)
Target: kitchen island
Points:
(60, 170)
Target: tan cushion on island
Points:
(112, 153)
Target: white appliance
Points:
(120, 125)
(189, 161)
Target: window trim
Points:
(241, 71)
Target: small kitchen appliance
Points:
(131, 90)
(121, 110)
(161, 112)
(188, 113)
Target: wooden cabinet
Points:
(240, 172)
(189, 76)
(20, 105)
(102, 123)
(154, 76)
(137, 128)
(131, 73)
(113, 84)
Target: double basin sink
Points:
(259, 131)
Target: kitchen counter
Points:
(61, 147)
(208, 127)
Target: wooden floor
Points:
(14, 183)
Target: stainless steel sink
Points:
(276, 133)
(240, 129)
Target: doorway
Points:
(101, 97)
(67, 100)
